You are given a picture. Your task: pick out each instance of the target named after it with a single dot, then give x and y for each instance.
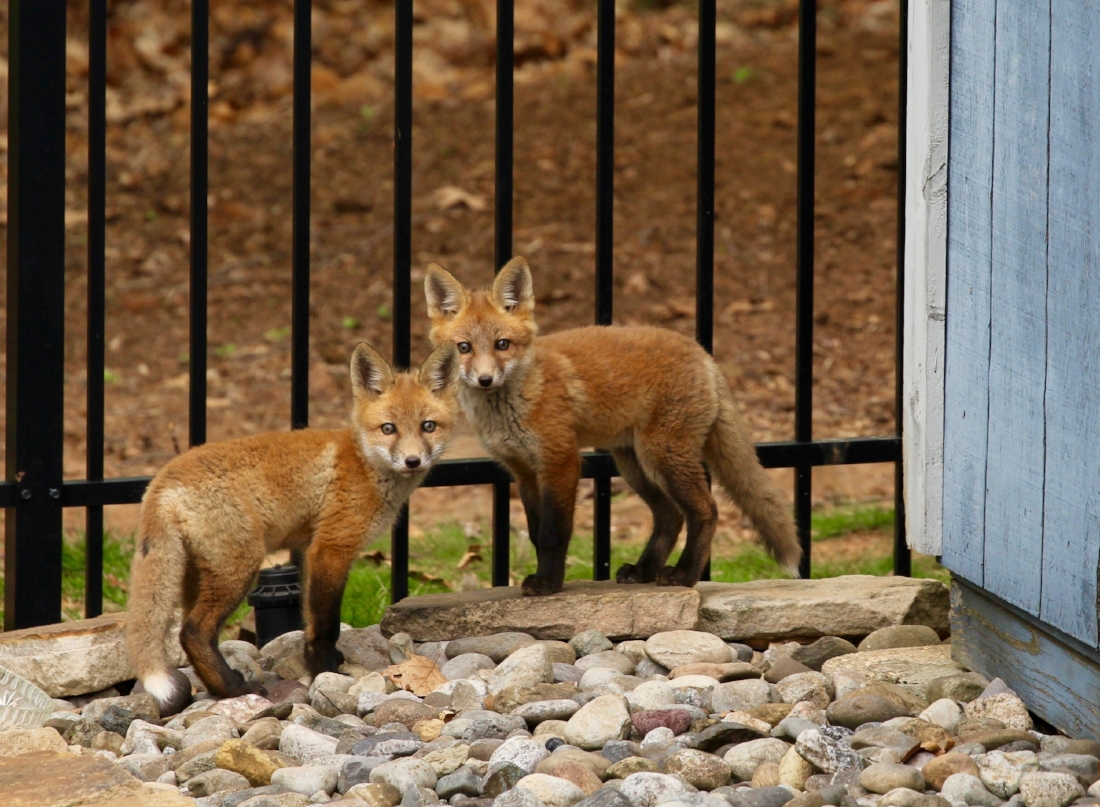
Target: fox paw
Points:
(671, 576)
(327, 660)
(534, 586)
(630, 573)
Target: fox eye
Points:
(502, 344)
(428, 425)
(464, 347)
(388, 428)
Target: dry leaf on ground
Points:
(417, 674)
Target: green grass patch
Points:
(843, 520)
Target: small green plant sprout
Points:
(184, 358)
(226, 351)
(349, 324)
(743, 74)
(277, 334)
(109, 376)
(150, 215)
(384, 311)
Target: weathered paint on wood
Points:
(1072, 507)
(1058, 678)
(969, 262)
(925, 271)
(1016, 452)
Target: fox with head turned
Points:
(210, 516)
(653, 397)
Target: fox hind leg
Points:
(213, 595)
(667, 521)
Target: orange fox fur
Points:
(654, 398)
(212, 514)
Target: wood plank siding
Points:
(1021, 473)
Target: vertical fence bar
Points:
(903, 565)
(299, 302)
(502, 247)
(804, 269)
(402, 253)
(97, 279)
(605, 222)
(36, 310)
(704, 171)
(200, 109)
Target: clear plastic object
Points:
(22, 704)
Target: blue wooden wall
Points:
(1022, 397)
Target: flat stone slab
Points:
(73, 658)
(50, 779)
(913, 668)
(852, 606)
(757, 613)
(617, 611)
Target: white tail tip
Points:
(162, 687)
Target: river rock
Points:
(1006, 707)
(884, 777)
(679, 647)
(741, 696)
(746, 757)
(1049, 789)
(826, 753)
(551, 790)
(827, 647)
(970, 790)
(604, 718)
(648, 789)
(899, 636)
(852, 711)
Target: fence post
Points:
(36, 310)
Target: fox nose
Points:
(412, 462)
(485, 380)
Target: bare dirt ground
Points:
(352, 256)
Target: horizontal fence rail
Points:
(34, 493)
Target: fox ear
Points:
(371, 375)
(445, 294)
(512, 290)
(440, 369)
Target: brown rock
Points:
(50, 779)
(17, 742)
(898, 694)
(767, 775)
(595, 762)
(771, 713)
(510, 697)
(618, 612)
(400, 710)
(624, 767)
(731, 671)
(376, 794)
(931, 737)
(580, 775)
(281, 690)
(995, 739)
(784, 667)
(974, 725)
(252, 763)
(559, 652)
(912, 668)
(936, 772)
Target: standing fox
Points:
(651, 396)
(210, 516)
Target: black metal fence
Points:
(35, 492)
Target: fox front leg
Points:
(556, 501)
(328, 574)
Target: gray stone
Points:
(478, 724)
(566, 673)
(216, 781)
(1004, 706)
(307, 779)
(808, 686)
(885, 737)
(899, 636)
(884, 777)
(392, 744)
(306, 745)
(466, 665)
(404, 773)
(676, 648)
(1001, 772)
(502, 779)
(606, 659)
(419, 797)
(740, 696)
(331, 703)
(588, 642)
(815, 654)
(523, 753)
(944, 713)
(551, 791)
(143, 706)
(356, 771)
(495, 646)
(1049, 789)
(853, 605)
(761, 797)
(790, 727)
(464, 781)
(604, 797)
(539, 711)
(364, 647)
(619, 612)
(724, 733)
(525, 667)
(969, 790)
(605, 718)
(821, 749)
(649, 789)
(146, 767)
(912, 668)
(963, 687)
(1084, 766)
(746, 757)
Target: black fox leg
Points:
(324, 592)
(557, 500)
(529, 495)
(667, 521)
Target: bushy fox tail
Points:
(733, 461)
(156, 586)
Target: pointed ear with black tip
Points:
(513, 290)
(371, 375)
(440, 370)
(445, 294)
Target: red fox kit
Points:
(654, 398)
(211, 514)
